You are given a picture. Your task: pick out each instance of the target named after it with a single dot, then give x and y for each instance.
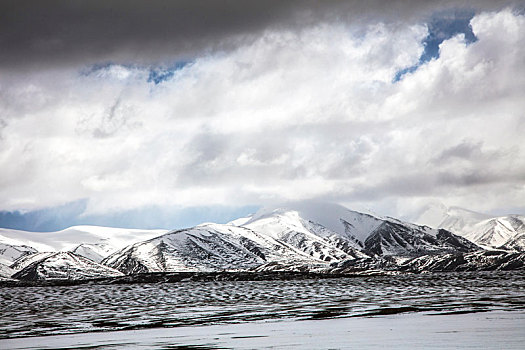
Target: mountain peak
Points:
(309, 233)
(332, 216)
(455, 219)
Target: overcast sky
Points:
(168, 113)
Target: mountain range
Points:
(504, 232)
(307, 236)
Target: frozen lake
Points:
(468, 310)
(490, 330)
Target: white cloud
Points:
(293, 115)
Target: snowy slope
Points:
(206, 247)
(95, 251)
(393, 238)
(507, 232)
(64, 265)
(455, 219)
(305, 224)
(6, 271)
(516, 243)
(335, 218)
(304, 235)
(96, 241)
(27, 260)
(10, 252)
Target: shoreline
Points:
(218, 276)
(174, 277)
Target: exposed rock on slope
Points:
(6, 271)
(304, 237)
(477, 261)
(205, 247)
(62, 266)
(9, 252)
(96, 251)
(95, 242)
(507, 232)
(392, 238)
(355, 233)
(27, 260)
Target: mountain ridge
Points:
(306, 236)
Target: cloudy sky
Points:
(166, 114)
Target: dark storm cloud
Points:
(41, 33)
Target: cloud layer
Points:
(39, 34)
(296, 112)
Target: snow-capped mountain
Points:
(63, 265)
(295, 229)
(308, 224)
(93, 242)
(307, 236)
(505, 232)
(455, 219)
(206, 247)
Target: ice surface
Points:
(492, 330)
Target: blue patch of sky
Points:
(49, 219)
(158, 75)
(152, 217)
(442, 26)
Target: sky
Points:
(166, 114)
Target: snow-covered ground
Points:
(455, 219)
(93, 242)
(64, 265)
(294, 235)
(503, 232)
(71, 237)
(491, 330)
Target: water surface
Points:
(39, 311)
